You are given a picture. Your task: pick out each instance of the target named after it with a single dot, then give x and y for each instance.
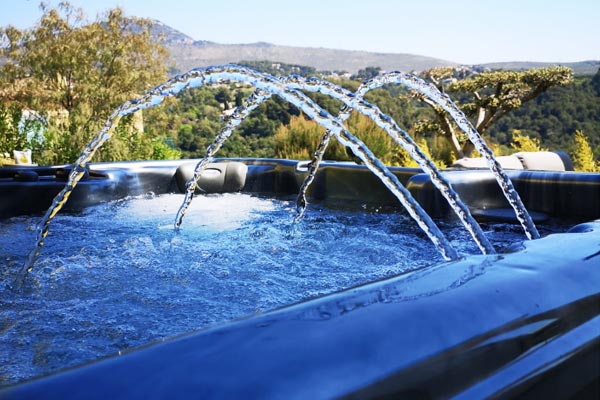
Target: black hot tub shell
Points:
(520, 324)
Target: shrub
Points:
(521, 142)
(582, 154)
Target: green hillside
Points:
(554, 116)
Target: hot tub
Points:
(521, 323)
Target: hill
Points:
(188, 53)
(203, 54)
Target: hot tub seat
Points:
(530, 160)
(31, 190)
(223, 177)
(568, 195)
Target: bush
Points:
(521, 142)
(582, 154)
(19, 130)
(162, 151)
(300, 138)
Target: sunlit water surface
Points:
(118, 275)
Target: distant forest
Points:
(554, 116)
(194, 118)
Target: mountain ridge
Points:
(188, 53)
(323, 59)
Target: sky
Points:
(466, 32)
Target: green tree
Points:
(164, 151)
(279, 68)
(487, 96)
(367, 73)
(375, 138)
(300, 138)
(83, 71)
(595, 83)
(556, 115)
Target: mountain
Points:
(203, 54)
(187, 53)
(168, 35)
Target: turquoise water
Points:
(118, 275)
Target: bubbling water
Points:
(289, 89)
(129, 279)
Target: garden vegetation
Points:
(61, 79)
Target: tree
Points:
(83, 71)
(487, 96)
(521, 142)
(367, 73)
(375, 138)
(596, 82)
(300, 138)
(555, 115)
(17, 131)
(583, 157)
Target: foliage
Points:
(486, 97)
(405, 160)
(85, 70)
(11, 137)
(365, 74)
(521, 142)
(556, 115)
(162, 151)
(375, 138)
(75, 73)
(300, 138)
(595, 83)
(6, 159)
(18, 131)
(582, 155)
(194, 119)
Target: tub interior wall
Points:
(568, 195)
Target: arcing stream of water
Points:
(401, 137)
(288, 89)
(444, 101)
(238, 116)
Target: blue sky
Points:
(468, 32)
